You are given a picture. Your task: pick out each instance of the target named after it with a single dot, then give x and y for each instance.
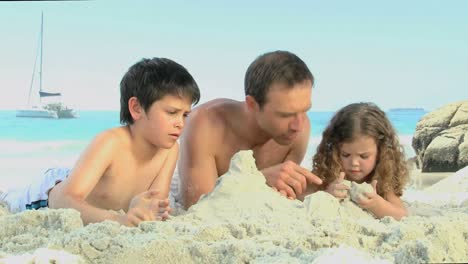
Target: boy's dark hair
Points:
(150, 80)
(273, 67)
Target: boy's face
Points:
(285, 112)
(358, 158)
(165, 119)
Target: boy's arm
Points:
(162, 182)
(72, 192)
(197, 167)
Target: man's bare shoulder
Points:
(214, 115)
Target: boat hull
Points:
(36, 113)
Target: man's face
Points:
(284, 115)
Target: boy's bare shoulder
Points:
(113, 138)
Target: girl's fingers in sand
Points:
(342, 187)
(374, 185)
(340, 194)
(341, 176)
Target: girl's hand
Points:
(370, 200)
(337, 188)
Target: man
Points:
(272, 121)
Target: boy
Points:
(129, 167)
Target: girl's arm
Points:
(391, 205)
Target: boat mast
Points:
(40, 54)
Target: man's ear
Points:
(252, 104)
(135, 108)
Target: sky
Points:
(394, 53)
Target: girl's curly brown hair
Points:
(363, 119)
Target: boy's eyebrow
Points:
(177, 108)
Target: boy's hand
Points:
(146, 206)
(337, 188)
(370, 200)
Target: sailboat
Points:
(51, 110)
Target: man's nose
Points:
(298, 123)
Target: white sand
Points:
(243, 220)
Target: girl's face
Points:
(358, 158)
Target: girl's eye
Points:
(344, 155)
(364, 157)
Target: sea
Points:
(28, 146)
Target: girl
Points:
(361, 145)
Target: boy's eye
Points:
(186, 114)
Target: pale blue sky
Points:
(395, 53)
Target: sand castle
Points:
(243, 220)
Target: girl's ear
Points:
(251, 103)
(135, 108)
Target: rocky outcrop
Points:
(441, 139)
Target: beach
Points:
(243, 220)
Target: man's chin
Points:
(283, 141)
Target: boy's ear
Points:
(251, 103)
(135, 108)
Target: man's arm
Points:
(162, 182)
(197, 167)
(289, 178)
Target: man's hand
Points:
(289, 178)
(370, 200)
(146, 206)
(337, 188)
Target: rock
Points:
(440, 139)
(358, 190)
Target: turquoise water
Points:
(29, 145)
(90, 123)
